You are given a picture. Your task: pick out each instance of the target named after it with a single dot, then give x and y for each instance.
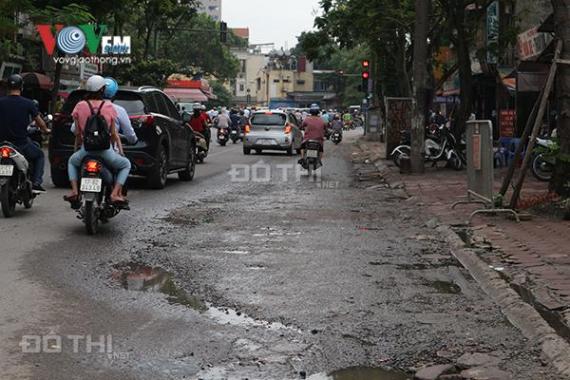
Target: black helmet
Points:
(15, 82)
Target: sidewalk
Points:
(533, 256)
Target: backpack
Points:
(96, 134)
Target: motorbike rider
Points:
(199, 124)
(336, 124)
(222, 120)
(347, 118)
(95, 87)
(16, 113)
(315, 129)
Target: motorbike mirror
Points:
(50, 117)
(186, 117)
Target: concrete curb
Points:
(522, 315)
(519, 313)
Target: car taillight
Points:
(288, 129)
(93, 166)
(247, 128)
(6, 152)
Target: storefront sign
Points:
(531, 43)
(507, 123)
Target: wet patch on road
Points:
(445, 287)
(192, 216)
(362, 373)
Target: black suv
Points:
(166, 144)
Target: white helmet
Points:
(95, 83)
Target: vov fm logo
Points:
(73, 39)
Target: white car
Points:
(273, 130)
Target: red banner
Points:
(507, 122)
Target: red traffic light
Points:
(366, 63)
(365, 75)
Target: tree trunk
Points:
(56, 81)
(420, 84)
(465, 73)
(561, 179)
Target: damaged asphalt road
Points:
(280, 279)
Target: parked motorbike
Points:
(95, 188)
(201, 147)
(310, 160)
(15, 180)
(543, 163)
(223, 136)
(439, 146)
(336, 137)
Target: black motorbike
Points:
(15, 180)
(336, 137)
(235, 134)
(223, 136)
(94, 205)
(310, 160)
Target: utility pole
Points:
(420, 84)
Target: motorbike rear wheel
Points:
(8, 201)
(398, 155)
(541, 168)
(91, 218)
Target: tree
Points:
(9, 25)
(420, 84)
(561, 179)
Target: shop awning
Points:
(37, 80)
(186, 94)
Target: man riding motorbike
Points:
(315, 129)
(85, 109)
(16, 113)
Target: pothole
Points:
(363, 373)
(445, 287)
(144, 278)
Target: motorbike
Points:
(235, 134)
(336, 137)
(310, 160)
(440, 145)
(201, 147)
(15, 180)
(223, 136)
(94, 205)
(34, 132)
(542, 162)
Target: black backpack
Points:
(96, 134)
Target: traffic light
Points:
(365, 75)
(223, 32)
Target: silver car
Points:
(273, 130)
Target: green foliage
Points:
(68, 14)
(223, 94)
(152, 72)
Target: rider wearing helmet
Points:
(122, 122)
(96, 86)
(16, 113)
(315, 129)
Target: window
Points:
(241, 87)
(276, 80)
(160, 102)
(152, 103)
(301, 82)
(171, 108)
(268, 119)
(258, 84)
(286, 81)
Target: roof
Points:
(241, 32)
(186, 94)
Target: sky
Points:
(278, 21)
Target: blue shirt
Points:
(16, 113)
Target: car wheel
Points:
(188, 173)
(246, 151)
(59, 177)
(159, 175)
(290, 151)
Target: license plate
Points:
(312, 153)
(91, 185)
(266, 142)
(6, 170)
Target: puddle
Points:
(227, 316)
(445, 287)
(237, 252)
(362, 373)
(145, 278)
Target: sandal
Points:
(74, 200)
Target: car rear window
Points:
(268, 119)
(72, 100)
(132, 106)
